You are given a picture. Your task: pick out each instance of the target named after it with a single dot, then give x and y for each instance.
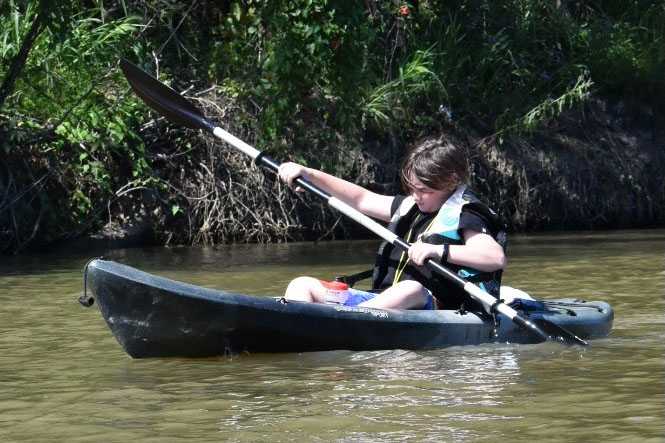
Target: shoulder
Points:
(401, 203)
(477, 209)
(470, 220)
(477, 216)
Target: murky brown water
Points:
(64, 378)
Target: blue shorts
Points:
(358, 296)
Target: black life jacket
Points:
(445, 229)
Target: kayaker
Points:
(440, 216)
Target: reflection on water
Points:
(64, 378)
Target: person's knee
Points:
(411, 287)
(407, 294)
(302, 288)
(303, 281)
(415, 294)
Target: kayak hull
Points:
(153, 316)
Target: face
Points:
(428, 199)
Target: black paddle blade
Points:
(545, 330)
(163, 99)
(558, 334)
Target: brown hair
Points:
(436, 162)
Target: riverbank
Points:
(560, 105)
(595, 168)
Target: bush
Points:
(303, 77)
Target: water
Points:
(64, 378)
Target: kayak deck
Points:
(153, 316)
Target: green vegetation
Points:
(313, 80)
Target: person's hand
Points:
(419, 252)
(289, 171)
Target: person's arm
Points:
(480, 251)
(368, 202)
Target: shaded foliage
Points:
(340, 85)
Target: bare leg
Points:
(408, 294)
(307, 289)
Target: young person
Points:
(440, 216)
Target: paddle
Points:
(179, 110)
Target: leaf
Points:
(236, 11)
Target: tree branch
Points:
(18, 63)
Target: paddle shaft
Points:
(491, 303)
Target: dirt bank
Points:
(596, 168)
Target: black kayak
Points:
(153, 316)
